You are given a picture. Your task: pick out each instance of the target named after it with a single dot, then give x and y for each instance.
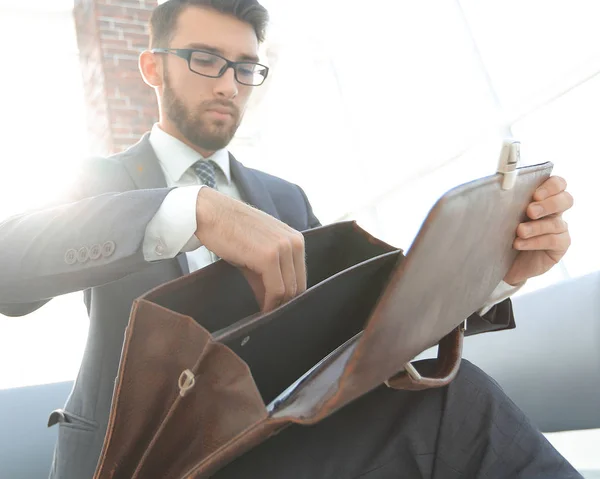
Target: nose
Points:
(226, 86)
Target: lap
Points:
(484, 434)
(469, 429)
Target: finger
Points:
(552, 186)
(551, 242)
(552, 205)
(299, 257)
(288, 273)
(258, 288)
(550, 225)
(299, 262)
(272, 281)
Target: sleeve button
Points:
(95, 252)
(108, 249)
(71, 257)
(83, 255)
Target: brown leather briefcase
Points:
(204, 377)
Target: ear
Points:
(151, 69)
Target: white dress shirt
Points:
(172, 229)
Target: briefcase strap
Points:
(448, 363)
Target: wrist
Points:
(204, 211)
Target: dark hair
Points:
(164, 17)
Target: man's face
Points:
(207, 111)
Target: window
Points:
(401, 101)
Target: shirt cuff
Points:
(503, 291)
(172, 229)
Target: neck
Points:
(174, 132)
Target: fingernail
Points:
(537, 211)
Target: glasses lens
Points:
(207, 64)
(251, 73)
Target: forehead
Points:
(225, 33)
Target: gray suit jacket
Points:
(92, 242)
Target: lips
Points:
(222, 110)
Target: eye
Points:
(204, 62)
(246, 70)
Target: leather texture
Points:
(204, 377)
(448, 362)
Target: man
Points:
(171, 204)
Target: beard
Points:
(202, 132)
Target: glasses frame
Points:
(186, 54)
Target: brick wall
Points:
(120, 106)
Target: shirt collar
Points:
(176, 157)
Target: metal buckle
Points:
(510, 157)
(187, 381)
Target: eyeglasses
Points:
(211, 65)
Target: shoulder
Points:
(276, 184)
(97, 175)
(115, 162)
(290, 200)
(282, 191)
(110, 173)
(101, 165)
(100, 175)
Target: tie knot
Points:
(207, 172)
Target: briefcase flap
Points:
(461, 254)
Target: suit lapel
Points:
(143, 166)
(145, 171)
(251, 187)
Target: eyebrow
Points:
(208, 48)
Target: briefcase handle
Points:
(448, 362)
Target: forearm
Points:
(36, 250)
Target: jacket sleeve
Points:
(89, 239)
(499, 318)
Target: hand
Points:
(545, 240)
(269, 253)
